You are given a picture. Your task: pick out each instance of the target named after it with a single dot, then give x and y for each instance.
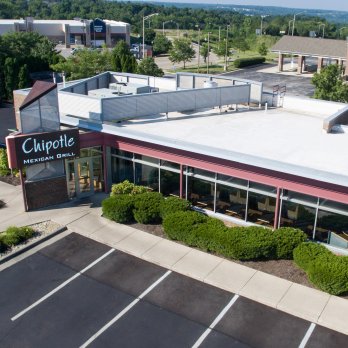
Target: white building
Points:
(91, 33)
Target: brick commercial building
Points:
(205, 138)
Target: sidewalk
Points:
(84, 217)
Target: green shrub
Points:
(15, 235)
(305, 253)
(119, 208)
(4, 169)
(243, 62)
(179, 225)
(206, 235)
(287, 239)
(330, 275)
(173, 204)
(147, 207)
(127, 187)
(3, 245)
(248, 243)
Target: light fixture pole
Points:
(144, 19)
(292, 34)
(262, 17)
(293, 23)
(340, 31)
(322, 24)
(208, 52)
(290, 21)
(226, 51)
(163, 26)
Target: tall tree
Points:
(329, 84)
(181, 51)
(122, 59)
(161, 44)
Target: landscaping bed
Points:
(285, 269)
(40, 231)
(9, 179)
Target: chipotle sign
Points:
(44, 147)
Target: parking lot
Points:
(78, 293)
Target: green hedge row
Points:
(329, 272)
(13, 236)
(243, 243)
(243, 62)
(145, 208)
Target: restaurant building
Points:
(233, 150)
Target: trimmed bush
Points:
(3, 245)
(147, 207)
(127, 187)
(306, 253)
(287, 239)
(119, 208)
(15, 235)
(248, 243)
(171, 205)
(179, 225)
(243, 62)
(330, 275)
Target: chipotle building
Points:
(210, 139)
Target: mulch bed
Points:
(285, 269)
(12, 180)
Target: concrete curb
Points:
(32, 245)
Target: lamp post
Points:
(163, 26)
(292, 34)
(340, 31)
(322, 24)
(208, 52)
(293, 23)
(144, 19)
(226, 50)
(262, 17)
(290, 21)
(177, 29)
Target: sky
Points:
(339, 5)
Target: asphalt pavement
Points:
(78, 292)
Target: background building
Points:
(91, 33)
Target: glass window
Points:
(201, 172)
(332, 228)
(98, 177)
(122, 153)
(262, 188)
(170, 183)
(91, 151)
(230, 201)
(201, 192)
(121, 170)
(300, 197)
(232, 180)
(170, 164)
(146, 158)
(298, 216)
(261, 209)
(146, 176)
(340, 208)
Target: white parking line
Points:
(61, 286)
(307, 335)
(125, 310)
(215, 322)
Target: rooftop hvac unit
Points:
(130, 88)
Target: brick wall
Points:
(47, 192)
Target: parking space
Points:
(78, 293)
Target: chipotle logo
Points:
(44, 147)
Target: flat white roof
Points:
(278, 139)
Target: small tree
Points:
(148, 67)
(204, 52)
(181, 51)
(263, 49)
(329, 84)
(161, 44)
(122, 59)
(23, 77)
